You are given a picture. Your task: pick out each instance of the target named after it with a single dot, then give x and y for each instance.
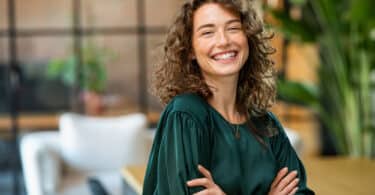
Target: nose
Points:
(222, 39)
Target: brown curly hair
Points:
(177, 73)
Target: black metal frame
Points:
(77, 32)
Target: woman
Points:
(216, 136)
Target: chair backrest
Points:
(103, 143)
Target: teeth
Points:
(225, 56)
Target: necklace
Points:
(236, 131)
(235, 128)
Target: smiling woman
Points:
(216, 135)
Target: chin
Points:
(228, 72)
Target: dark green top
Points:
(191, 132)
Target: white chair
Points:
(60, 162)
(295, 140)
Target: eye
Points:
(235, 28)
(206, 33)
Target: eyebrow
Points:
(212, 25)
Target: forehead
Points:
(213, 13)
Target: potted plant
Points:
(344, 34)
(93, 75)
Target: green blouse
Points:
(191, 132)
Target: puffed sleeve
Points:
(286, 155)
(180, 145)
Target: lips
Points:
(228, 55)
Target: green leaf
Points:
(292, 29)
(361, 11)
(93, 71)
(69, 71)
(298, 2)
(54, 67)
(298, 93)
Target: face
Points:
(219, 43)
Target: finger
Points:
(286, 180)
(290, 187)
(203, 192)
(205, 172)
(279, 176)
(294, 191)
(199, 182)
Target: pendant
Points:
(237, 134)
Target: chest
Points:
(241, 165)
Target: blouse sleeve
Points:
(287, 157)
(181, 145)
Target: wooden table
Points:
(326, 176)
(133, 176)
(342, 176)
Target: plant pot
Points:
(93, 102)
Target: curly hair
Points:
(177, 73)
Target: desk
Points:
(326, 176)
(339, 175)
(133, 176)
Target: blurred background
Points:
(95, 58)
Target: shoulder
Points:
(272, 118)
(188, 100)
(191, 105)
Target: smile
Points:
(225, 55)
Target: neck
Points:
(224, 97)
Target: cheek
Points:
(201, 49)
(243, 40)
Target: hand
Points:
(284, 185)
(207, 181)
